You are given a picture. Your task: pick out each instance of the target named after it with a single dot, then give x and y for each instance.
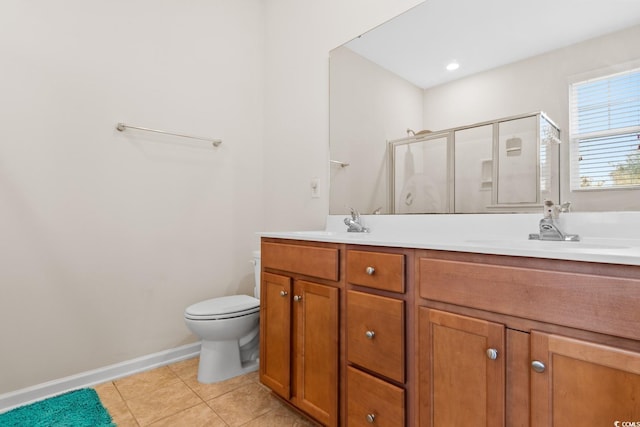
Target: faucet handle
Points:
(354, 223)
(549, 209)
(553, 211)
(565, 207)
(355, 215)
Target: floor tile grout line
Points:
(113, 383)
(167, 383)
(132, 414)
(118, 391)
(185, 376)
(230, 391)
(178, 379)
(216, 412)
(173, 415)
(206, 402)
(176, 413)
(259, 416)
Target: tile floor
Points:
(172, 396)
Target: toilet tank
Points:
(256, 273)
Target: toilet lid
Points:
(223, 307)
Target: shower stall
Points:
(504, 165)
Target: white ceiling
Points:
(484, 34)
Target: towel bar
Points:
(121, 127)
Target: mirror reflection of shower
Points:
(503, 165)
(420, 181)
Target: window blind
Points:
(605, 132)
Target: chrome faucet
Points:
(355, 223)
(549, 227)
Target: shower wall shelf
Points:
(122, 127)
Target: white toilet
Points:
(230, 331)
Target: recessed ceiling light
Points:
(452, 66)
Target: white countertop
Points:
(606, 237)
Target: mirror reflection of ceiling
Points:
(399, 44)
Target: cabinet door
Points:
(275, 333)
(579, 382)
(461, 383)
(316, 336)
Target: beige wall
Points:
(368, 107)
(299, 36)
(107, 237)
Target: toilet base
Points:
(220, 360)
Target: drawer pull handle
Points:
(297, 298)
(371, 418)
(492, 353)
(283, 293)
(538, 366)
(370, 271)
(370, 334)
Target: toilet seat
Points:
(223, 308)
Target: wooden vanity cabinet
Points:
(565, 335)
(462, 370)
(357, 335)
(299, 327)
(373, 401)
(275, 333)
(580, 380)
(376, 270)
(376, 325)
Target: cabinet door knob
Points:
(371, 418)
(297, 298)
(370, 334)
(283, 293)
(538, 366)
(370, 271)
(492, 353)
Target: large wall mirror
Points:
(409, 136)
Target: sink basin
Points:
(548, 245)
(316, 233)
(329, 235)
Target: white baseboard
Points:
(97, 376)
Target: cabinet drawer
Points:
(371, 400)
(308, 260)
(591, 302)
(376, 270)
(375, 334)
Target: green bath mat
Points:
(79, 408)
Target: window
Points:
(605, 132)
